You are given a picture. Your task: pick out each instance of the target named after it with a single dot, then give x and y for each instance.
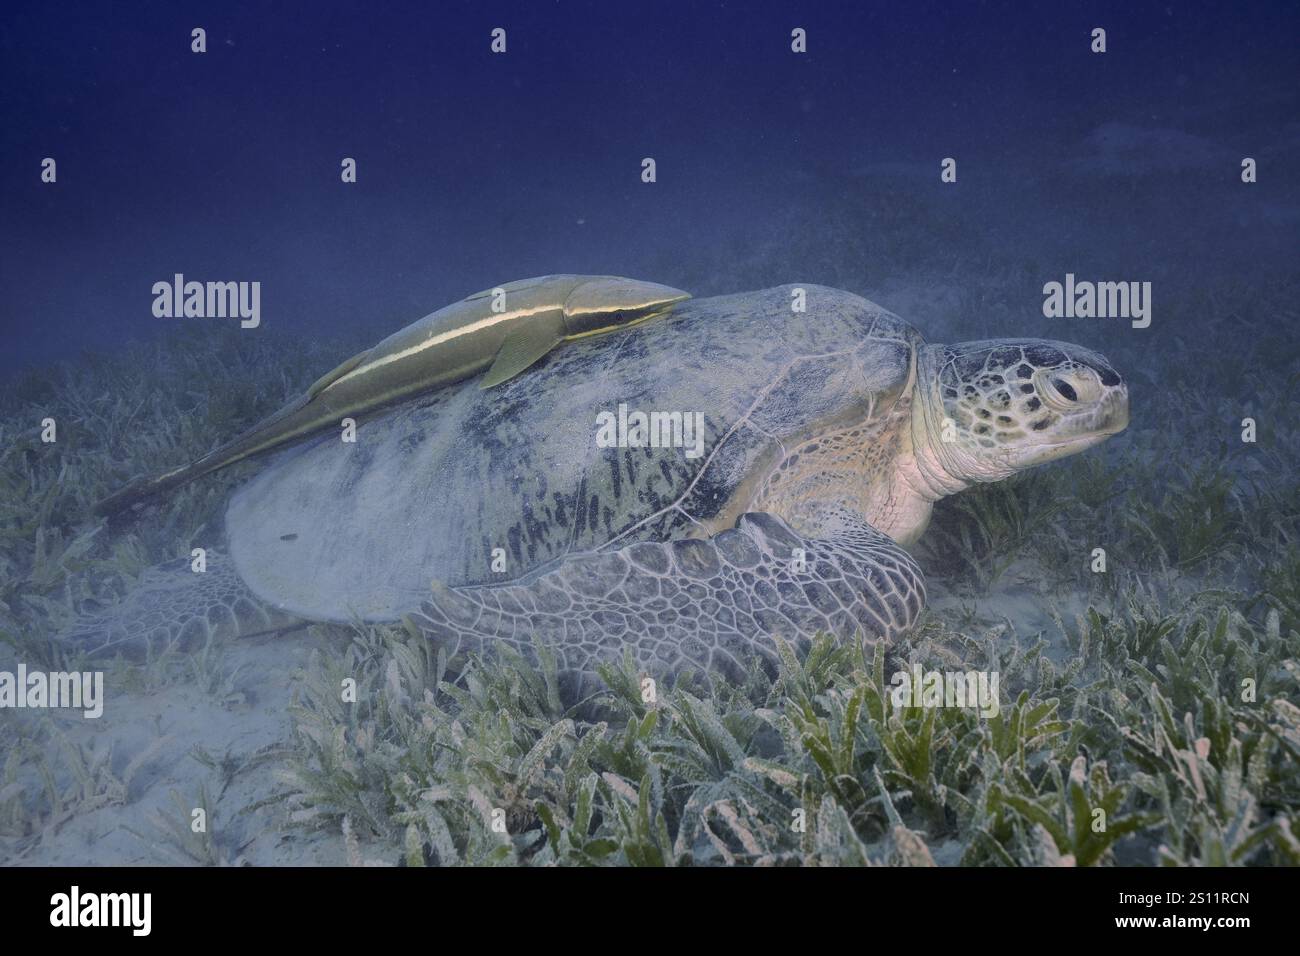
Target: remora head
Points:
(986, 410)
(607, 302)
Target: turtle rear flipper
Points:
(175, 607)
(713, 604)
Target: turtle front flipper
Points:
(176, 608)
(713, 604)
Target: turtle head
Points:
(989, 409)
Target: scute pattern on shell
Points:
(174, 608)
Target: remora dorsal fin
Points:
(329, 378)
(522, 348)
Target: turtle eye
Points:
(1065, 389)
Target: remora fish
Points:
(503, 333)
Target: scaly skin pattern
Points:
(713, 605)
(176, 608)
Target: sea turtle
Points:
(541, 509)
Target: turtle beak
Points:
(612, 301)
(1114, 413)
(1109, 418)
